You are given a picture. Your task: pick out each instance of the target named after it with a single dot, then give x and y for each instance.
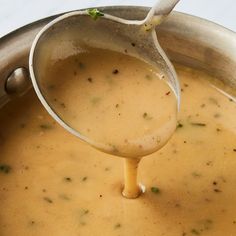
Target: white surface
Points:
(16, 13)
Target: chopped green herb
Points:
(81, 65)
(45, 126)
(197, 124)
(207, 224)
(213, 101)
(95, 100)
(63, 105)
(216, 190)
(155, 190)
(117, 226)
(51, 86)
(90, 80)
(148, 77)
(67, 179)
(5, 168)
(64, 197)
(114, 148)
(115, 72)
(194, 231)
(84, 178)
(146, 116)
(179, 125)
(217, 115)
(95, 13)
(196, 174)
(47, 199)
(84, 212)
(32, 222)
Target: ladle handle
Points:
(161, 8)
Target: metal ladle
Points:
(64, 36)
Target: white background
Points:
(16, 13)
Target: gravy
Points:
(54, 184)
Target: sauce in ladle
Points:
(121, 104)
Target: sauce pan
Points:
(186, 39)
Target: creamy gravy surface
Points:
(53, 184)
(120, 104)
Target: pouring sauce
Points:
(120, 104)
(54, 184)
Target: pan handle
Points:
(14, 56)
(14, 77)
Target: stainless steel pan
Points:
(187, 40)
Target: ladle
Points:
(68, 34)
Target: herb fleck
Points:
(214, 101)
(194, 231)
(155, 190)
(5, 168)
(117, 226)
(95, 13)
(84, 178)
(64, 197)
(47, 199)
(217, 115)
(115, 72)
(146, 116)
(84, 212)
(63, 105)
(45, 126)
(114, 150)
(179, 125)
(196, 174)
(197, 124)
(148, 77)
(67, 179)
(95, 100)
(168, 93)
(81, 65)
(32, 222)
(216, 190)
(90, 80)
(133, 44)
(51, 86)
